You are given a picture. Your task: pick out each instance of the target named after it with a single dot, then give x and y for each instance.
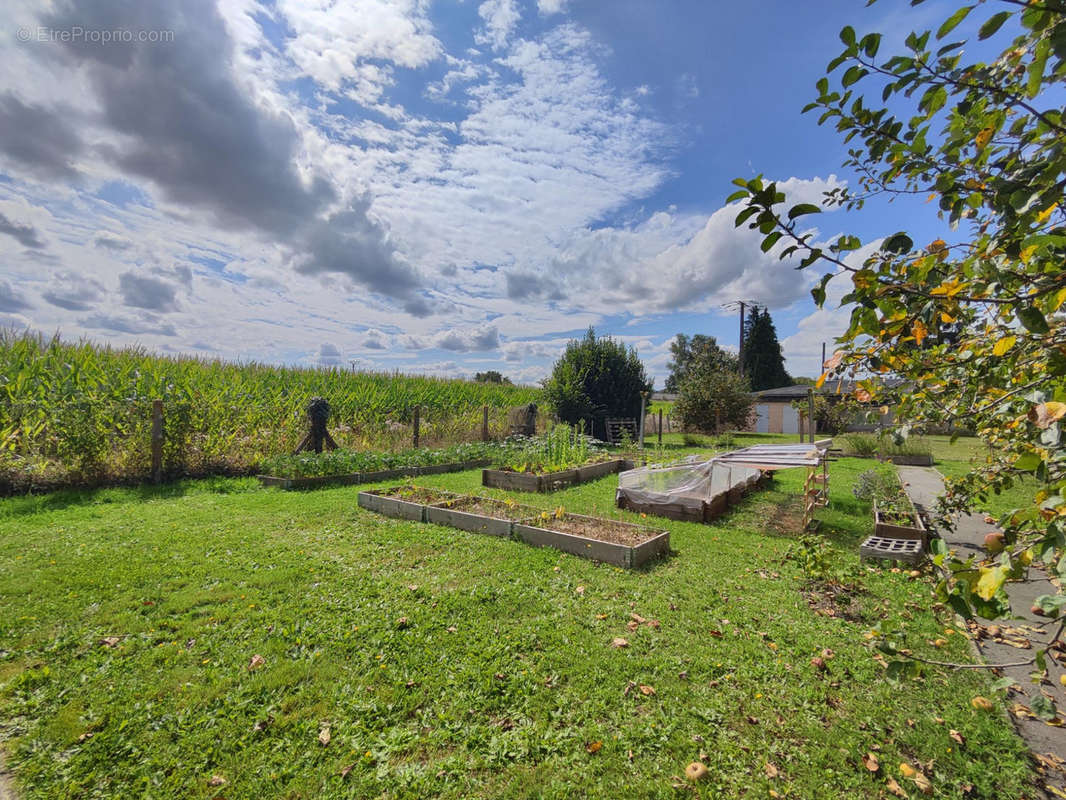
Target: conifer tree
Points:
(764, 365)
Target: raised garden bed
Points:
(899, 524)
(355, 478)
(479, 514)
(403, 502)
(551, 481)
(690, 509)
(611, 541)
(901, 460)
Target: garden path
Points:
(1048, 742)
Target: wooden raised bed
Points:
(355, 478)
(704, 512)
(886, 527)
(621, 543)
(551, 481)
(632, 545)
(901, 460)
(478, 514)
(402, 502)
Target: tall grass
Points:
(80, 412)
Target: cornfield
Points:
(81, 413)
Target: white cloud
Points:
(501, 17)
(803, 349)
(340, 45)
(548, 7)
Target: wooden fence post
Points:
(416, 420)
(810, 405)
(484, 423)
(660, 427)
(157, 441)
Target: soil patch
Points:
(490, 507)
(604, 530)
(836, 600)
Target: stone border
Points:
(354, 478)
(551, 481)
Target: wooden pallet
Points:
(615, 426)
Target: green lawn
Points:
(501, 683)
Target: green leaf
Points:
(1051, 604)
(899, 243)
(993, 24)
(847, 35)
(770, 241)
(1036, 69)
(853, 74)
(803, 208)
(1027, 462)
(1033, 319)
(737, 195)
(952, 22)
(1043, 707)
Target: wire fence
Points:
(102, 441)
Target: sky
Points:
(443, 186)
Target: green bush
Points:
(596, 379)
(713, 399)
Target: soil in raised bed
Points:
(604, 530)
(416, 494)
(533, 471)
(489, 507)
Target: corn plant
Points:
(81, 411)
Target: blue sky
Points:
(442, 187)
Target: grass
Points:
(500, 681)
(955, 460)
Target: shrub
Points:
(596, 379)
(713, 399)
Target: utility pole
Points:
(823, 358)
(729, 307)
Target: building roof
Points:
(798, 391)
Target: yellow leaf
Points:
(1060, 298)
(1042, 217)
(982, 138)
(948, 288)
(906, 770)
(937, 246)
(991, 580)
(919, 330)
(1003, 345)
(821, 379)
(1027, 253)
(1045, 414)
(923, 783)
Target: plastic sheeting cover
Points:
(689, 483)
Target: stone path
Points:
(1047, 742)
(7, 792)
